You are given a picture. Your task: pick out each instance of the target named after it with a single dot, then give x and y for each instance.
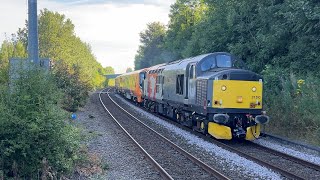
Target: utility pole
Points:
(18, 65)
(33, 42)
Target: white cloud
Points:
(111, 29)
(12, 16)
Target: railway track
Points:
(288, 166)
(287, 141)
(289, 157)
(170, 160)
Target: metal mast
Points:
(33, 44)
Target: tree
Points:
(129, 69)
(73, 57)
(151, 51)
(184, 17)
(9, 49)
(108, 70)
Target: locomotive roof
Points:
(180, 61)
(196, 58)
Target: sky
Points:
(111, 27)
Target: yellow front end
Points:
(232, 94)
(237, 94)
(111, 82)
(219, 131)
(253, 132)
(224, 132)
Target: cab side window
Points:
(179, 84)
(192, 74)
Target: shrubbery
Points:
(75, 90)
(36, 136)
(293, 102)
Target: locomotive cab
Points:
(231, 98)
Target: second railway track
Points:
(176, 163)
(289, 166)
(286, 165)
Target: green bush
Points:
(293, 104)
(70, 82)
(35, 133)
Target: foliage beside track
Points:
(277, 38)
(293, 104)
(37, 139)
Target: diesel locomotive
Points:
(211, 93)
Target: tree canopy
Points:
(74, 65)
(129, 69)
(278, 33)
(279, 39)
(151, 50)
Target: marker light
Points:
(254, 89)
(239, 99)
(223, 88)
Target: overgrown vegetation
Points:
(277, 38)
(36, 136)
(293, 104)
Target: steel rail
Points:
(289, 157)
(297, 143)
(261, 162)
(162, 172)
(201, 164)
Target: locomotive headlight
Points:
(254, 89)
(223, 88)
